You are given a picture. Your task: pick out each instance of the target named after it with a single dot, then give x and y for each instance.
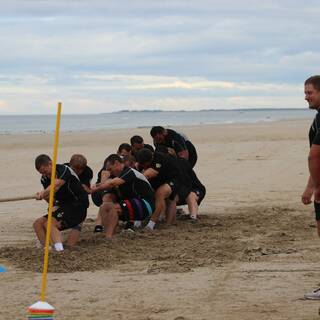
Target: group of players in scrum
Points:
(138, 184)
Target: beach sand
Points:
(253, 254)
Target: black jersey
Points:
(136, 185)
(175, 141)
(314, 132)
(168, 169)
(191, 176)
(72, 191)
(179, 142)
(86, 176)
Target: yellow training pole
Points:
(51, 195)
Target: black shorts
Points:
(136, 209)
(201, 192)
(178, 189)
(70, 215)
(97, 198)
(317, 210)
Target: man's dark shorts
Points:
(178, 189)
(70, 215)
(317, 210)
(199, 192)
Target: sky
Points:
(105, 56)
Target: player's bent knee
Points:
(107, 206)
(163, 193)
(38, 223)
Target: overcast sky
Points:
(100, 56)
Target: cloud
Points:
(140, 53)
(147, 82)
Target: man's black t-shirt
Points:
(179, 142)
(175, 141)
(168, 169)
(314, 132)
(72, 191)
(191, 175)
(86, 176)
(136, 185)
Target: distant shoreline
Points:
(43, 132)
(40, 124)
(162, 111)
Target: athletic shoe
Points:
(147, 228)
(129, 226)
(98, 228)
(193, 219)
(180, 212)
(314, 295)
(128, 231)
(137, 224)
(184, 216)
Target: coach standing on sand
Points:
(312, 96)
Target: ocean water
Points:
(125, 119)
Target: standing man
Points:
(312, 96)
(176, 141)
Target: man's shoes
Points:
(184, 216)
(98, 228)
(193, 219)
(180, 212)
(314, 295)
(129, 226)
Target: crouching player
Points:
(131, 194)
(70, 197)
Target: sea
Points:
(23, 124)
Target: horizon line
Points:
(158, 110)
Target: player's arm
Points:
(86, 188)
(44, 194)
(308, 192)
(150, 173)
(184, 154)
(180, 147)
(105, 175)
(109, 184)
